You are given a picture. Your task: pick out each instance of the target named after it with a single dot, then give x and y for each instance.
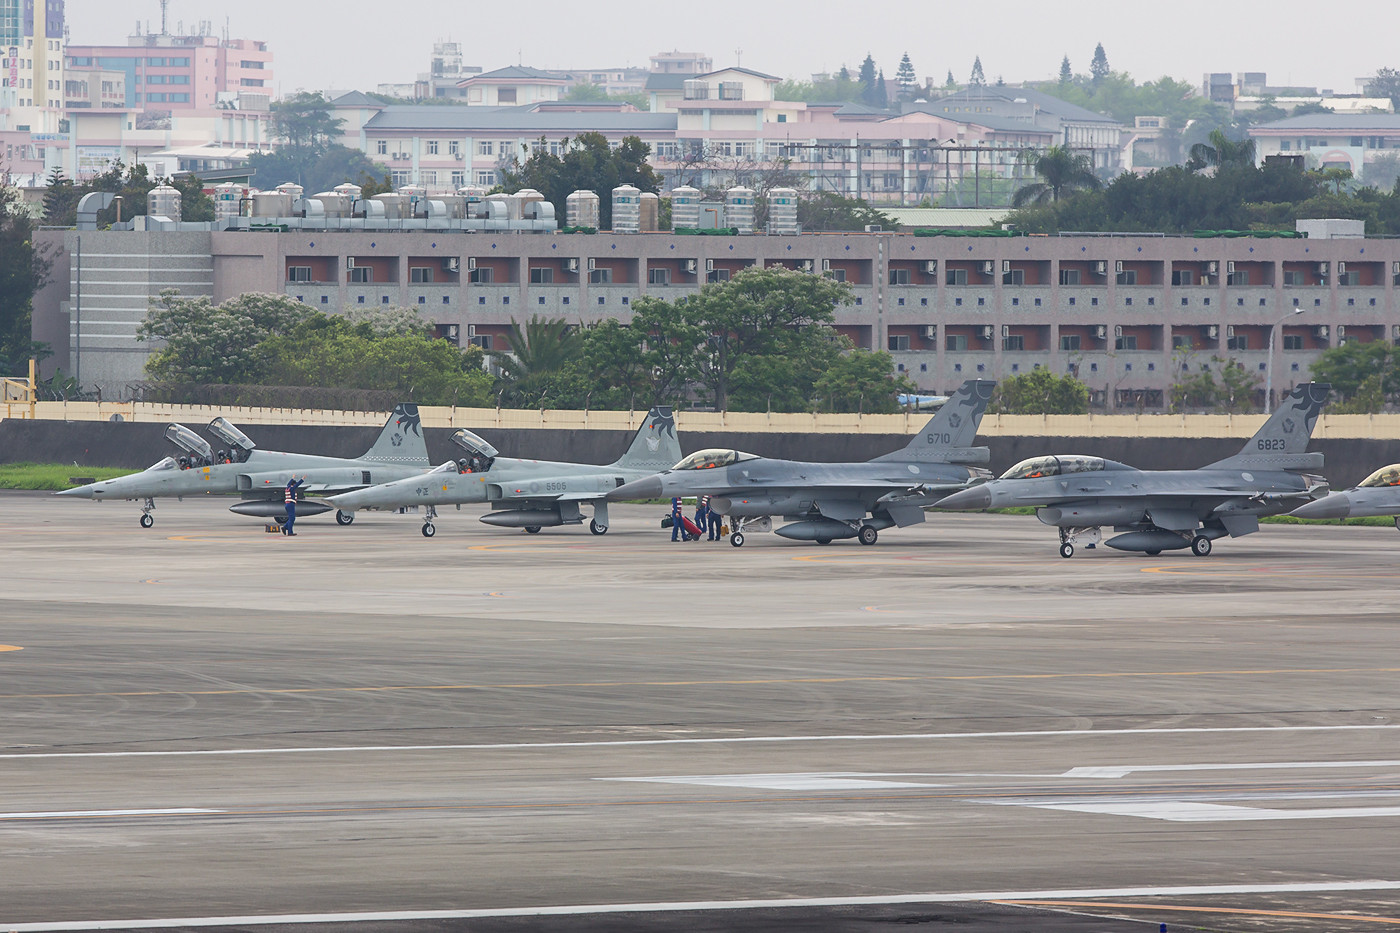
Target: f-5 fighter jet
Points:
(529, 494)
(1377, 494)
(261, 476)
(825, 501)
(1162, 510)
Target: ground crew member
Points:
(677, 520)
(291, 500)
(715, 520)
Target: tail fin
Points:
(655, 447)
(1282, 443)
(401, 441)
(948, 435)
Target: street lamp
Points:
(1269, 365)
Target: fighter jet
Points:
(529, 494)
(260, 476)
(825, 501)
(1377, 494)
(1162, 510)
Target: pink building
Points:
(195, 72)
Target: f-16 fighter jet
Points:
(261, 476)
(1163, 510)
(825, 501)
(1377, 494)
(529, 494)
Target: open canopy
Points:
(1037, 467)
(712, 458)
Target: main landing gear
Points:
(1200, 546)
(428, 529)
(868, 535)
(146, 519)
(343, 517)
(596, 528)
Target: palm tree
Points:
(1062, 171)
(537, 352)
(1220, 152)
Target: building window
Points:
(1069, 341)
(486, 147)
(486, 178)
(454, 148)
(1237, 278)
(1069, 276)
(360, 275)
(1240, 342)
(1126, 342)
(899, 342)
(1014, 277)
(420, 275)
(432, 147)
(541, 276)
(505, 95)
(1292, 342)
(299, 274)
(1183, 277)
(480, 276)
(956, 342)
(1294, 277)
(600, 276)
(956, 277)
(1127, 277)
(1013, 342)
(899, 276)
(658, 276)
(459, 178)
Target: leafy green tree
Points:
(314, 170)
(978, 78)
(303, 122)
(1232, 393)
(24, 269)
(948, 82)
(61, 200)
(540, 368)
(827, 90)
(1098, 68)
(1220, 152)
(906, 78)
(668, 341)
(195, 205)
(1368, 373)
(1066, 73)
(866, 80)
(1041, 392)
(589, 162)
(1061, 171)
(1385, 83)
(215, 344)
(861, 381)
(825, 211)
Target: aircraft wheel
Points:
(737, 539)
(1153, 553)
(429, 530)
(868, 535)
(344, 518)
(1067, 550)
(1200, 546)
(532, 529)
(596, 528)
(147, 521)
(823, 540)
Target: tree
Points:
(1386, 83)
(540, 367)
(195, 205)
(304, 123)
(61, 200)
(1233, 393)
(826, 211)
(906, 78)
(824, 90)
(882, 94)
(1066, 73)
(215, 344)
(1061, 171)
(861, 381)
(315, 171)
(589, 162)
(1221, 151)
(866, 79)
(978, 79)
(1360, 372)
(1041, 392)
(1098, 68)
(24, 269)
(949, 83)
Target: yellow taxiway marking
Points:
(912, 678)
(1243, 911)
(10, 648)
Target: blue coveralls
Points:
(677, 526)
(291, 502)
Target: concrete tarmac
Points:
(207, 725)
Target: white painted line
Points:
(1117, 771)
(795, 781)
(1190, 811)
(54, 814)
(734, 740)
(672, 906)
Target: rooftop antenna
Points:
(164, 4)
(738, 57)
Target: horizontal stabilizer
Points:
(1284, 438)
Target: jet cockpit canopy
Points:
(1037, 467)
(713, 458)
(1385, 476)
(190, 442)
(482, 453)
(224, 430)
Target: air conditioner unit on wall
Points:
(1100, 331)
(1118, 267)
(1323, 268)
(691, 265)
(349, 262)
(592, 264)
(710, 265)
(1229, 331)
(452, 264)
(1006, 330)
(1341, 331)
(930, 331)
(1101, 268)
(471, 331)
(985, 332)
(1212, 268)
(1341, 268)
(1322, 331)
(987, 267)
(1230, 267)
(931, 267)
(1005, 265)
(1118, 330)
(471, 264)
(826, 264)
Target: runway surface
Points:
(208, 726)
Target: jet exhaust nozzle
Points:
(271, 508)
(820, 529)
(523, 518)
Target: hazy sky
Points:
(361, 43)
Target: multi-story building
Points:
(31, 56)
(182, 72)
(1331, 140)
(1129, 315)
(1096, 135)
(512, 86)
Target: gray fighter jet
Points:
(825, 501)
(1162, 510)
(1377, 494)
(261, 476)
(529, 494)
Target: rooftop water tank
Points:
(626, 209)
(227, 197)
(164, 201)
(581, 209)
(650, 212)
(272, 204)
(782, 211)
(685, 207)
(738, 209)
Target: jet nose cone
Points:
(978, 497)
(77, 492)
(1335, 505)
(648, 488)
(349, 501)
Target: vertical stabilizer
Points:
(1282, 443)
(948, 436)
(655, 447)
(401, 441)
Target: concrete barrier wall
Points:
(138, 445)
